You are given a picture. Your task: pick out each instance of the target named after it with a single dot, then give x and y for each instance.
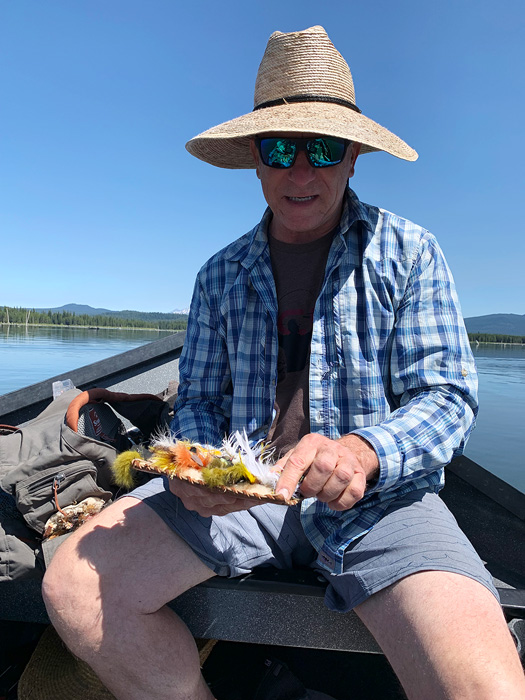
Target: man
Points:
(332, 329)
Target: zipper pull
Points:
(59, 478)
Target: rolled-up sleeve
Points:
(433, 377)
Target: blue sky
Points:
(101, 204)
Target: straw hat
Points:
(53, 673)
(303, 85)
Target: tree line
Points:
(21, 316)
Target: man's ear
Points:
(256, 157)
(356, 147)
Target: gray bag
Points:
(19, 545)
(62, 457)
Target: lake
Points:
(498, 441)
(34, 354)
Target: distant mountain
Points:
(181, 311)
(84, 310)
(505, 324)
(80, 309)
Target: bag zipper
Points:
(33, 482)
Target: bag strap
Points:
(100, 396)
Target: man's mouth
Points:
(301, 199)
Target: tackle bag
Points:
(63, 457)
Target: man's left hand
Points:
(336, 471)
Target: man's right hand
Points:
(206, 503)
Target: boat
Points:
(269, 613)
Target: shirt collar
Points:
(354, 210)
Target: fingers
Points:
(207, 503)
(295, 463)
(207, 512)
(332, 472)
(328, 474)
(353, 493)
(313, 455)
(340, 487)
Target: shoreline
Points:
(174, 330)
(493, 342)
(91, 328)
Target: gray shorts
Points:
(416, 533)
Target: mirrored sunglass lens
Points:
(278, 153)
(323, 152)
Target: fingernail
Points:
(284, 493)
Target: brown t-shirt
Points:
(298, 270)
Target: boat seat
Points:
(286, 608)
(283, 608)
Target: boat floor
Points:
(233, 670)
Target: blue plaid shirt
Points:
(390, 359)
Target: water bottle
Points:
(62, 386)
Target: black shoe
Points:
(276, 682)
(279, 683)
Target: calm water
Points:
(34, 354)
(498, 442)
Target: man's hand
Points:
(207, 503)
(336, 471)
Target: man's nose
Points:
(301, 172)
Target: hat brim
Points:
(53, 672)
(228, 145)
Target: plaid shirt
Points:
(390, 359)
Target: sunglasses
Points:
(321, 151)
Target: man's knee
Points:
(70, 584)
(125, 561)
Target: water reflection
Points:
(498, 441)
(34, 353)
(506, 362)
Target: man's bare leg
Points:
(106, 591)
(446, 638)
